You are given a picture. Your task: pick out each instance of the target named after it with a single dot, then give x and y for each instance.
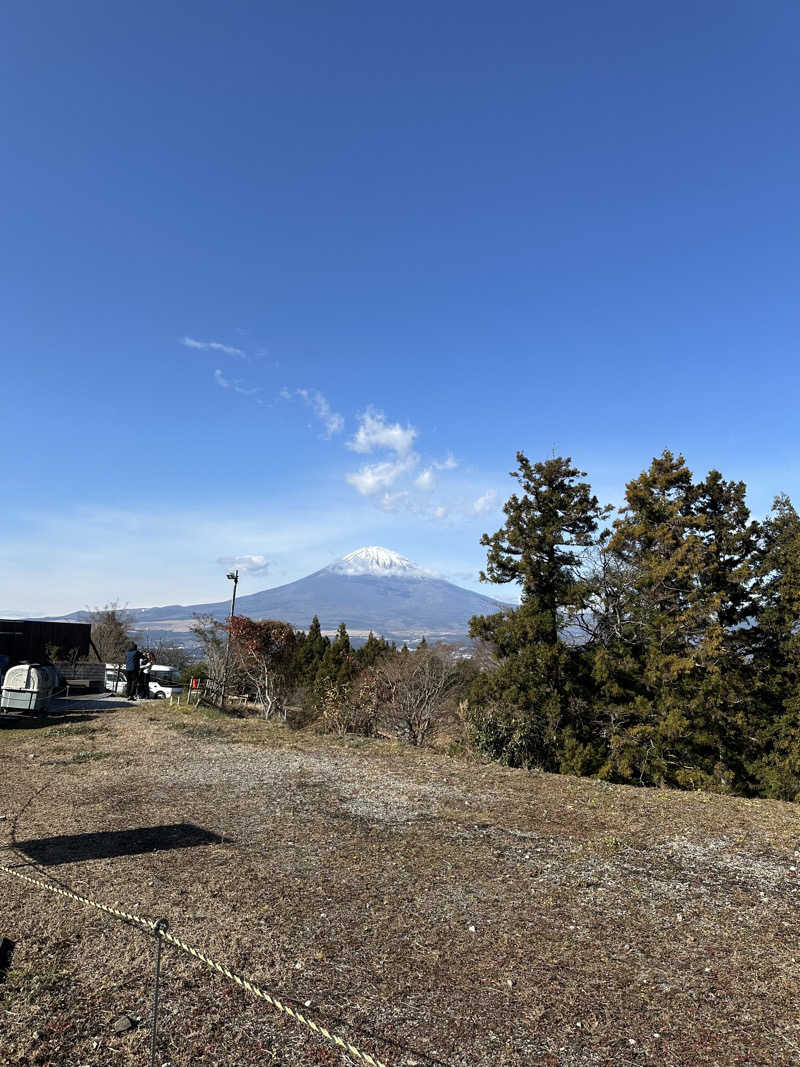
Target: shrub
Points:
(350, 708)
(414, 688)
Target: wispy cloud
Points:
(375, 432)
(376, 476)
(426, 480)
(166, 555)
(394, 501)
(214, 346)
(485, 502)
(449, 463)
(248, 564)
(236, 384)
(440, 512)
(331, 420)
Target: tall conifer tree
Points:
(684, 550)
(776, 652)
(723, 705)
(522, 708)
(310, 651)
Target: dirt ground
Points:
(431, 910)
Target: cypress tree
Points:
(337, 666)
(341, 642)
(311, 650)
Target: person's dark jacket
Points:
(133, 659)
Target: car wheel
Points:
(160, 696)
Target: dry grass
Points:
(431, 910)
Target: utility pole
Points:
(234, 577)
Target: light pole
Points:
(234, 577)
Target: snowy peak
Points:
(377, 562)
(370, 589)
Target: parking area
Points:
(69, 708)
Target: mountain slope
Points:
(369, 589)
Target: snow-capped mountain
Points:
(379, 562)
(372, 588)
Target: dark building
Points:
(38, 641)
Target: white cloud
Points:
(426, 480)
(440, 512)
(394, 501)
(214, 346)
(234, 383)
(449, 463)
(375, 432)
(333, 422)
(485, 503)
(248, 564)
(376, 476)
(165, 555)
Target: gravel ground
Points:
(431, 910)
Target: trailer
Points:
(28, 687)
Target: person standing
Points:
(144, 675)
(133, 659)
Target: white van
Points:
(164, 681)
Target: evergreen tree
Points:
(669, 680)
(338, 665)
(690, 675)
(373, 649)
(536, 547)
(341, 641)
(310, 652)
(776, 653)
(523, 708)
(724, 705)
(345, 657)
(731, 537)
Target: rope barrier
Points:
(162, 933)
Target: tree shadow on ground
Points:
(106, 844)
(6, 953)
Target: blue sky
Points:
(280, 281)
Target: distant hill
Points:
(372, 588)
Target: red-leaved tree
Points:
(263, 652)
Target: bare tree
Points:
(414, 688)
(112, 631)
(212, 635)
(353, 708)
(264, 654)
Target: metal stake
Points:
(161, 927)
